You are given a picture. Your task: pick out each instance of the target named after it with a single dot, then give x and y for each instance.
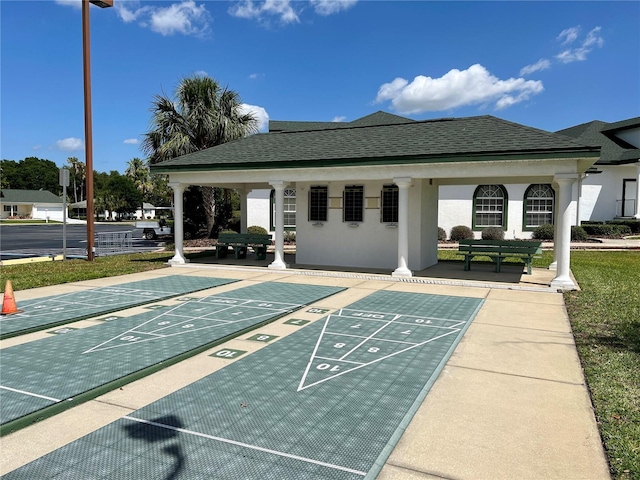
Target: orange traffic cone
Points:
(9, 303)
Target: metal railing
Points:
(626, 208)
(113, 243)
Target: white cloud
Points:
(184, 17)
(541, 64)
(70, 144)
(456, 88)
(259, 113)
(568, 35)
(579, 54)
(131, 141)
(256, 76)
(250, 10)
(339, 118)
(329, 7)
(287, 11)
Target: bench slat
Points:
(497, 250)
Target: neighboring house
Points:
(612, 188)
(35, 204)
(366, 192)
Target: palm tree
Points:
(138, 171)
(78, 175)
(202, 115)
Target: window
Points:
(389, 210)
(12, 209)
(489, 206)
(289, 208)
(318, 200)
(538, 206)
(353, 203)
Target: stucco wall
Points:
(258, 206)
(456, 208)
(602, 192)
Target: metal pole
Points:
(64, 222)
(86, 57)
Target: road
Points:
(45, 239)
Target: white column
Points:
(278, 262)
(637, 214)
(403, 184)
(178, 226)
(243, 210)
(563, 279)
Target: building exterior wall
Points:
(47, 212)
(602, 193)
(456, 208)
(258, 205)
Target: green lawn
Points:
(605, 316)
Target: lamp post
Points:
(88, 139)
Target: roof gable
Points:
(614, 151)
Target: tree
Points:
(202, 115)
(77, 176)
(115, 193)
(32, 173)
(138, 172)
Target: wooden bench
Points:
(240, 242)
(497, 250)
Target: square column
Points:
(278, 262)
(178, 223)
(243, 210)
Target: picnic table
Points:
(240, 242)
(497, 250)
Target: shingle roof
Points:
(614, 151)
(377, 118)
(28, 196)
(392, 143)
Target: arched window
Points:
(490, 207)
(538, 206)
(289, 209)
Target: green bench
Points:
(497, 250)
(240, 242)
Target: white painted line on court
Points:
(31, 394)
(304, 377)
(246, 445)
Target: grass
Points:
(605, 316)
(42, 274)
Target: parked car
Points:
(152, 229)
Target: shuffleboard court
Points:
(329, 401)
(46, 376)
(47, 312)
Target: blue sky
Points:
(549, 65)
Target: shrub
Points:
(578, 234)
(289, 236)
(461, 232)
(634, 225)
(257, 229)
(442, 235)
(543, 232)
(607, 230)
(493, 233)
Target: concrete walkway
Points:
(510, 403)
